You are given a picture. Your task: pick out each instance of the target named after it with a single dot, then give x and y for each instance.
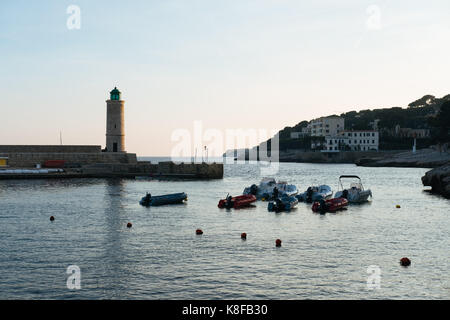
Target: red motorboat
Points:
(330, 205)
(237, 202)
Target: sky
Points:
(237, 64)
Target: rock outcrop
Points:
(439, 180)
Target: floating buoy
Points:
(278, 243)
(129, 225)
(405, 262)
(52, 218)
(243, 235)
(199, 231)
(398, 206)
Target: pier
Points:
(162, 170)
(25, 162)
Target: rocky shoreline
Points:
(439, 180)
(425, 158)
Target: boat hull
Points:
(174, 198)
(355, 196)
(286, 203)
(330, 205)
(237, 202)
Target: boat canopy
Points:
(353, 185)
(346, 176)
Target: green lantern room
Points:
(115, 94)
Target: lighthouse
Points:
(115, 122)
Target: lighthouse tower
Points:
(115, 123)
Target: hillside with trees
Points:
(424, 113)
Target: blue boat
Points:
(285, 203)
(174, 198)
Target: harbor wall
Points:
(29, 160)
(50, 149)
(161, 169)
(90, 161)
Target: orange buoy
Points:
(52, 218)
(405, 262)
(129, 225)
(199, 231)
(243, 235)
(278, 243)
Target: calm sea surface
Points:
(161, 257)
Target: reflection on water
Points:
(160, 257)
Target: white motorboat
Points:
(266, 187)
(314, 193)
(355, 193)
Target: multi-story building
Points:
(358, 140)
(336, 143)
(328, 135)
(326, 126)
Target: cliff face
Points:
(439, 180)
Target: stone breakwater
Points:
(439, 180)
(30, 159)
(165, 169)
(86, 161)
(161, 170)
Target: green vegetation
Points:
(441, 124)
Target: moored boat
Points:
(285, 203)
(173, 198)
(330, 205)
(356, 192)
(267, 186)
(314, 193)
(237, 202)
